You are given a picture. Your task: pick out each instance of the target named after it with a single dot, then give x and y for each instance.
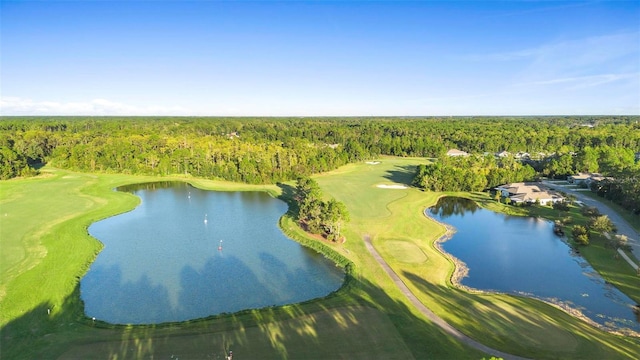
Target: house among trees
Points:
(503, 154)
(529, 193)
(456, 152)
(586, 179)
(579, 178)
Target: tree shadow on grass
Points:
(401, 174)
(358, 322)
(528, 327)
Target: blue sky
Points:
(237, 58)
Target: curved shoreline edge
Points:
(319, 247)
(445, 326)
(461, 270)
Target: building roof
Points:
(520, 188)
(528, 192)
(456, 152)
(580, 176)
(533, 196)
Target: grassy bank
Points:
(599, 253)
(633, 220)
(46, 250)
(516, 325)
(46, 229)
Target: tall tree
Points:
(335, 214)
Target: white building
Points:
(529, 193)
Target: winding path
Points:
(428, 313)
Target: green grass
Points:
(633, 220)
(21, 247)
(303, 336)
(515, 325)
(53, 212)
(405, 251)
(368, 318)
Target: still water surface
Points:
(522, 255)
(161, 262)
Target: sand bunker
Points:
(384, 186)
(373, 162)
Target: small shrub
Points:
(622, 242)
(590, 211)
(580, 235)
(561, 206)
(601, 223)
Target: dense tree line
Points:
(318, 216)
(623, 189)
(273, 149)
(619, 166)
(473, 173)
(13, 162)
(593, 159)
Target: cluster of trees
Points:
(318, 216)
(597, 223)
(13, 162)
(473, 173)
(618, 164)
(606, 159)
(623, 190)
(580, 234)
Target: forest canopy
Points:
(270, 150)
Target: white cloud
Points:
(589, 75)
(578, 82)
(21, 106)
(573, 53)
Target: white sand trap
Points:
(373, 162)
(384, 186)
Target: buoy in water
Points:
(220, 246)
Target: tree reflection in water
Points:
(449, 205)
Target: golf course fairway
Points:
(45, 250)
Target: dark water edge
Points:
(522, 256)
(186, 253)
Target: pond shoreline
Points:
(461, 270)
(196, 278)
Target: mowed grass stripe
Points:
(404, 251)
(515, 325)
(327, 328)
(49, 200)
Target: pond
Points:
(522, 255)
(185, 253)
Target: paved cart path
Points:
(428, 313)
(621, 224)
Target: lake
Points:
(522, 255)
(185, 253)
